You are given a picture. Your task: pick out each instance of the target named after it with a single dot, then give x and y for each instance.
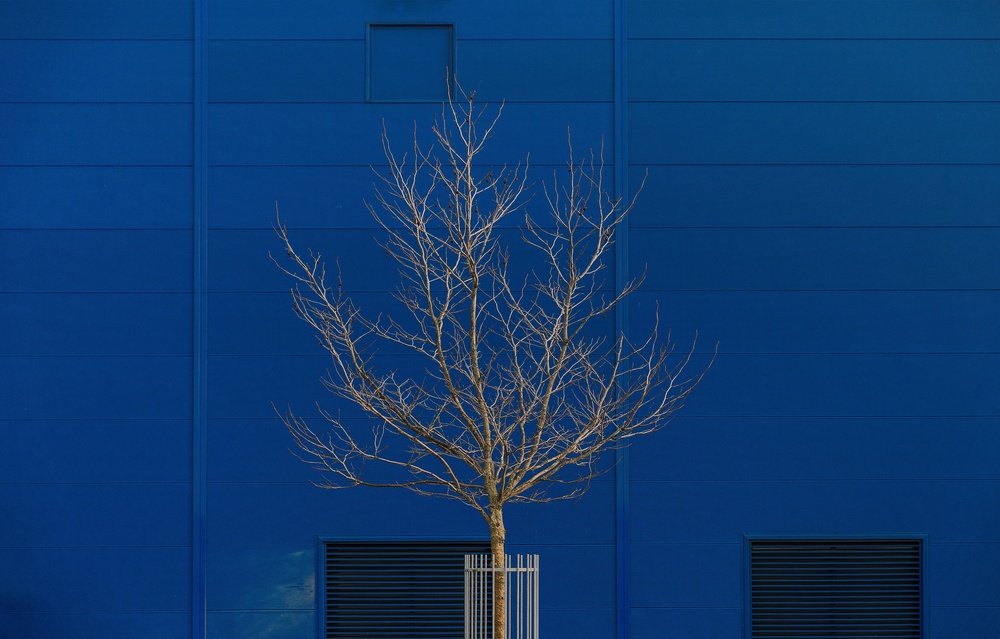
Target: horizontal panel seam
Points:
(807, 39)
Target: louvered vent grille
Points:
(396, 590)
(835, 589)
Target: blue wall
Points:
(95, 314)
(822, 200)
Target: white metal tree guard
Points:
(522, 596)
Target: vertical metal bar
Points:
(520, 600)
(485, 576)
(482, 598)
(537, 577)
(506, 586)
(521, 588)
(465, 598)
(527, 596)
(483, 585)
(479, 597)
(479, 594)
(478, 606)
(511, 598)
(474, 613)
(199, 389)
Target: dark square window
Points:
(848, 589)
(395, 589)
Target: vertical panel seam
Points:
(622, 532)
(200, 328)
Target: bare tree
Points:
(517, 398)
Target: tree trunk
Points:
(498, 537)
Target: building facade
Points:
(822, 195)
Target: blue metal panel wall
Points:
(823, 180)
(289, 123)
(95, 307)
(822, 201)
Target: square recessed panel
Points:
(409, 63)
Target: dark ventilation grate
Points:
(835, 589)
(396, 590)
